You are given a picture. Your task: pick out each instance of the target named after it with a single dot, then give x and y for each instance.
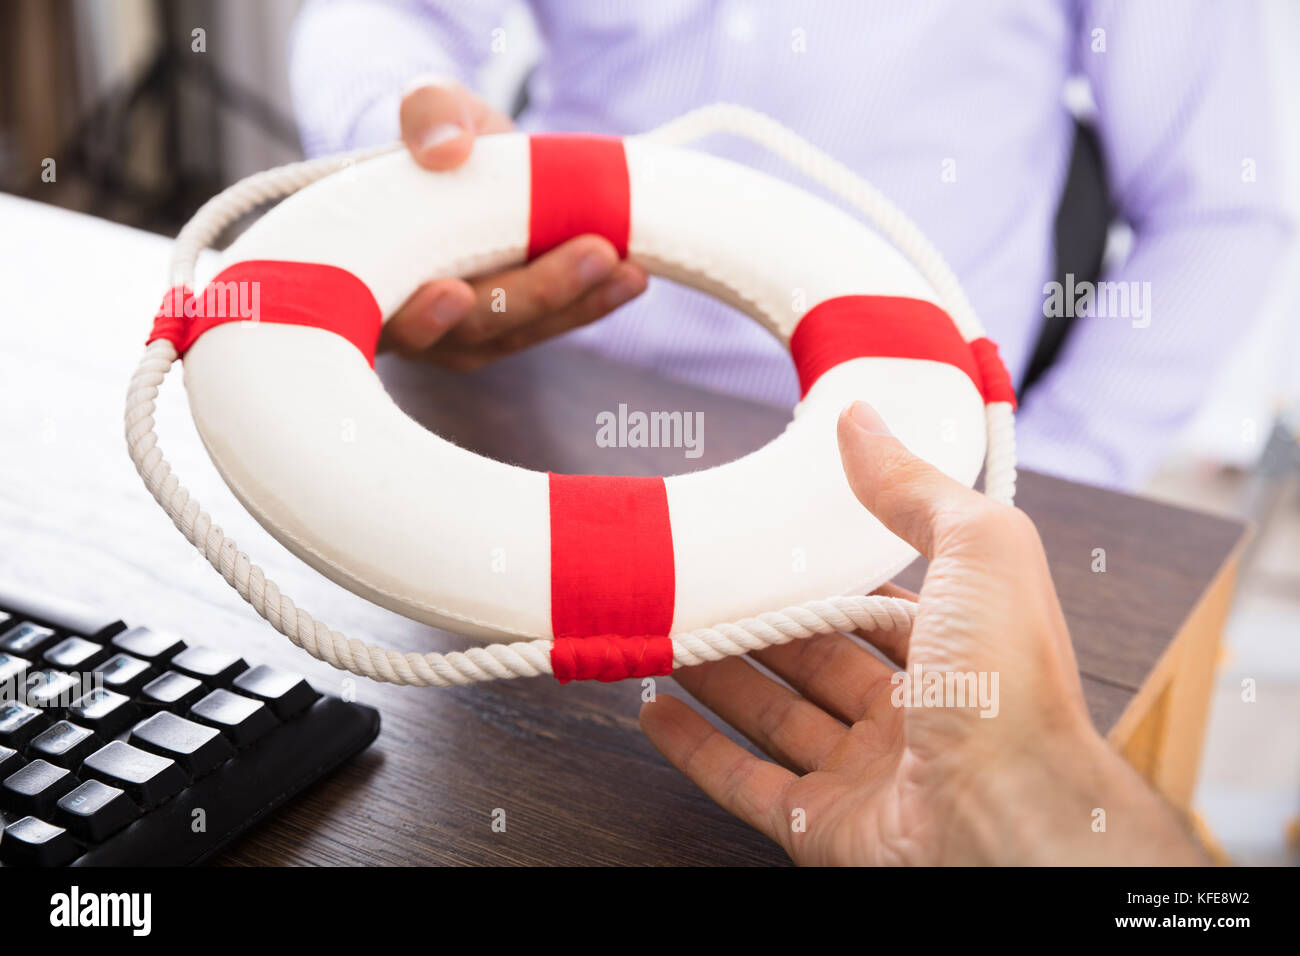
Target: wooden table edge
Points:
(1162, 728)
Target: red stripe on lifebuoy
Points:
(264, 290)
(994, 377)
(579, 186)
(858, 326)
(613, 585)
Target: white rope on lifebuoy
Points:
(532, 658)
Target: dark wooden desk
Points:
(577, 781)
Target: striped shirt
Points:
(955, 111)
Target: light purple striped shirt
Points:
(955, 110)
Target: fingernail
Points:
(447, 311)
(867, 418)
(442, 133)
(593, 267)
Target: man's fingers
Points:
(735, 779)
(547, 285)
(431, 312)
(794, 731)
(831, 671)
(911, 497)
(502, 314)
(438, 119)
(625, 283)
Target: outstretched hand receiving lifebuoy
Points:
(868, 766)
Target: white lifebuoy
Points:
(600, 572)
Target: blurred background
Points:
(144, 132)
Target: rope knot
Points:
(994, 377)
(610, 657)
(172, 320)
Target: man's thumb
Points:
(911, 497)
(437, 124)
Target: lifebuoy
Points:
(604, 575)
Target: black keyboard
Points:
(129, 746)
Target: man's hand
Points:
(450, 320)
(855, 778)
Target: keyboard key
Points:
(75, 654)
(284, 692)
(106, 712)
(95, 811)
(198, 748)
(10, 760)
(20, 723)
(12, 667)
(214, 668)
(26, 639)
(35, 788)
(51, 689)
(33, 842)
(147, 778)
(64, 744)
(241, 719)
(157, 647)
(125, 674)
(172, 691)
